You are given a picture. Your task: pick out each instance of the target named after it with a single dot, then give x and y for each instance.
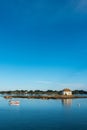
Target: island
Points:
(49, 94)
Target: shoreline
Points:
(46, 97)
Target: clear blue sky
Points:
(43, 44)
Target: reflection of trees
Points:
(67, 102)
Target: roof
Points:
(67, 90)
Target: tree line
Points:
(41, 92)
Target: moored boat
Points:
(14, 102)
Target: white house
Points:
(67, 91)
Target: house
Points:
(67, 91)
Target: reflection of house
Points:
(67, 91)
(67, 102)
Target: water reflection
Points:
(67, 102)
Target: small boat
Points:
(14, 102)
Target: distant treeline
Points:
(31, 92)
(41, 92)
(79, 92)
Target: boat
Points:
(14, 102)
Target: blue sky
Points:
(43, 44)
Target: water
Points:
(36, 114)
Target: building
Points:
(67, 91)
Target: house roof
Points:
(67, 90)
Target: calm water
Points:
(44, 115)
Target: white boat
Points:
(14, 102)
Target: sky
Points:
(43, 44)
